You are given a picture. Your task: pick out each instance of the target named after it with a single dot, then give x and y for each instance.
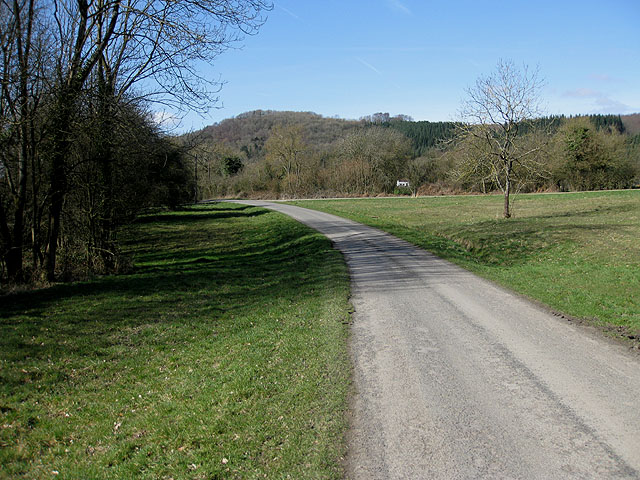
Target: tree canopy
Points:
(494, 113)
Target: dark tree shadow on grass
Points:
(197, 215)
(194, 288)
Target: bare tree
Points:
(287, 149)
(62, 58)
(22, 43)
(497, 120)
(419, 171)
(161, 43)
(373, 159)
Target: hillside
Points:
(248, 132)
(303, 154)
(631, 123)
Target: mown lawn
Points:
(223, 355)
(578, 253)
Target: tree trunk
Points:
(58, 185)
(15, 254)
(108, 221)
(507, 192)
(36, 215)
(5, 234)
(507, 213)
(55, 212)
(14, 257)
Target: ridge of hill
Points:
(247, 132)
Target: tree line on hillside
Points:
(80, 154)
(288, 154)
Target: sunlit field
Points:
(578, 253)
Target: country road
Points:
(458, 378)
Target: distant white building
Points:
(402, 183)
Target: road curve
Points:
(458, 378)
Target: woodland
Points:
(270, 154)
(80, 151)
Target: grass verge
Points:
(578, 253)
(223, 355)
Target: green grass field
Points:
(223, 355)
(578, 253)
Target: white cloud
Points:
(600, 101)
(603, 78)
(608, 105)
(166, 120)
(399, 6)
(582, 93)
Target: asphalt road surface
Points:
(458, 378)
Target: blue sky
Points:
(351, 58)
